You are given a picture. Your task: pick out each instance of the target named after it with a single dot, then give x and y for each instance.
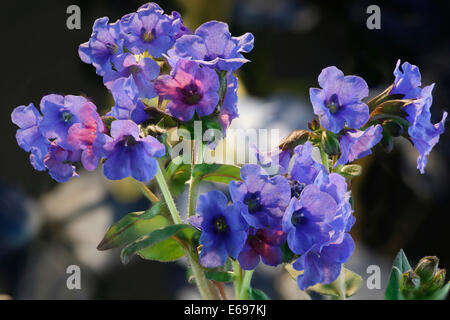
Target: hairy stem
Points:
(246, 284)
(207, 291)
(168, 196)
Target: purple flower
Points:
(190, 88)
(228, 109)
(212, 45)
(59, 162)
(59, 114)
(335, 185)
(28, 135)
(339, 101)
(274, 162)
(407, 80)
(127, 106)
(104, 44)
(143, 71)
(305, 169)
(263, 198)
(307, 221)
(356, 144)
(262, 244)
(223, 230)
(422, 132)
(130, 155)
(323, 265)
(88, 136)
(149, 29)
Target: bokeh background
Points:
(45, 226)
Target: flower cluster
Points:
(307, 203)
(145, 55)
(161, 74)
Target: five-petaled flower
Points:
(339, 101)
(223, 230)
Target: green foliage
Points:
(220, 276)
(350, 171)
(426, 282)
(133, 226)
(352, 283)
(256, 294)
(221, 173)
(164, 244)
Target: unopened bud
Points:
(314, 124)
(427, 268)
(330, 143)
(411, 281)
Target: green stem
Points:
(206, 290)
(246, 284)
(238, 279)
(324, 157)
(168, 196)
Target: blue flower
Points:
(323, 265)
(263, 198)
(149, 29)
(127, 106)
(228, 109)
(274, 162)
(339, 101)
(356, 144)
(104, 44)
(212, 45)
(143, 70)
(307, 221)
(191, 88)
(335, 185)
(305, 169)
(422, 132)
(59, 162)
(28, 135)
(59, 114)
(223, 230)
(130, 155)
(262, 244)
(407, 80)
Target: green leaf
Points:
(352, 282)
(177, 175)
(394, 287)
(133, 226)
(222, 173)
(329, 143)
(440, 294)
(162, 252)
(401, 262)
(350, 171)
(256, 294)
(220, 276)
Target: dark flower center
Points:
(112, 47)
(333, 103)
(298, 218)
(148, 36)
(190, 94)
(129, 141)
(220, 225)
(134, 69)
(253, 201)
(66, 116)
(296, 188)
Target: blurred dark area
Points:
(396, 206)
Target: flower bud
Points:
(314, 124)
(411, 281)
(427, 268)
(330, 143)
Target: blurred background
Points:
(45, 226)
